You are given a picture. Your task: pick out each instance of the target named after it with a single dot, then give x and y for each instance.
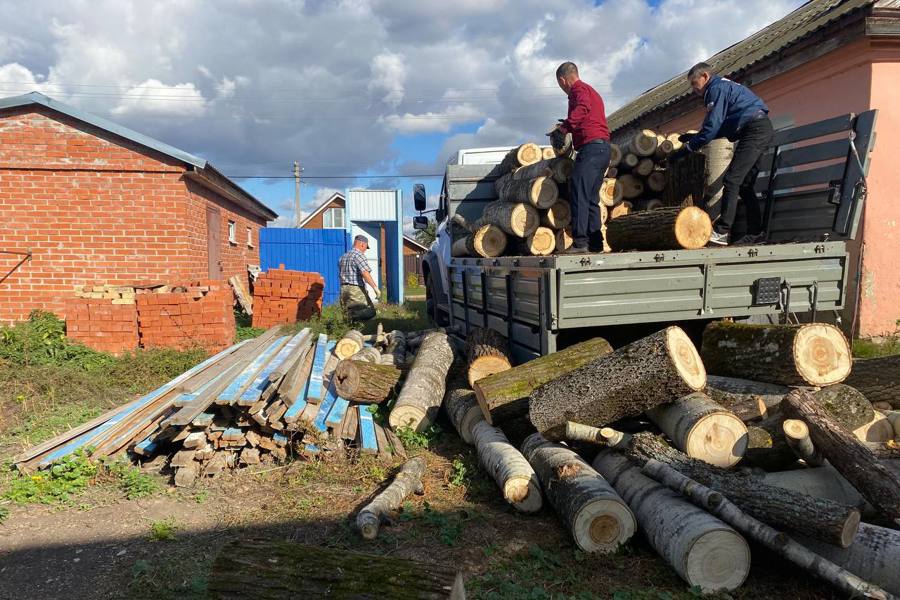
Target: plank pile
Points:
(283, 297)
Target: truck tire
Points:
(431, 303)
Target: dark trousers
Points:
(584, 195)
(740, 178)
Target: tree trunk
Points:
(350, 344)
(796, 434)
(664, 229)
(619, 210)
(247, 569)
(588, 506)
(878, 379)
(420, 399)
(487, 352)
(560, 169)
(703, 550)
(846, 404)
(829, 521)
(615, 155)
(643, 143)
(462, 409)
(657, 369)
(368, 354)
(656, 182)
(540, 192)
(506, 465)
(515, 219)
(747, 399)
(644, 167)
(524, 155)
(720, 504)
(611, 192)
(702, 429)
(564, 239)
(815, 354)
(504, 396)
(629, 161)
(632, 187)
(407, 481)
(878, 484)
(557, 216)
(540, 243)
(395, 352)
(365, 382)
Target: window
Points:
(232, 233)
(333, 218)
(249, 238)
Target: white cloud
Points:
(179, 100)
(388, 76)
(431, 121)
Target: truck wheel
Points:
(431, 304)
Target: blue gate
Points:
(316, 250)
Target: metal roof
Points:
(807, 19)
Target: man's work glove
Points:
(684, 138)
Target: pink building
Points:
(827, 58)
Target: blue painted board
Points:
(203, 419)
(318, 369)
(232, 433)
(279, 439)
(325, 408)
(336, 415)
(261, 382)
(367, 439)
(146, 448)
(230, 394)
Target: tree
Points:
(427, 236)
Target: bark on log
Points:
(615, 155)
(268, 569)
(746, 398)
(703, 550)
(663, 149)
(513, 474)
(487, 241)
(368, 354)
(654, 370)
(847, 405)
(504, 396)
(632, 187)
(407, 481)
(365, 382)
(878, 484)
(815, 354)
(620, 210)
(664, 229)
(643, 143)
(540, 243)
(829, 521)
(877, 378)
(539, 192)
(420, 399)
(596, 517)
(487, 352)
(557, 216)
(462, 409)
(524, 155)
(513, 218)
(702, 429)
(395, 352)
(796, 434)
(564, 239)
(560, 169)
(350, 344)
(656, 182)
(647, 204)
(462, 246)
(720, 504)
(611, 192)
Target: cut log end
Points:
(718, 561)
(686, 358)
(544, 192)
(528, 154)
(542, 242)
(851, 527)
(822, 354)
(408, 416)
(489, 241)
(719, 439)
(603, 525)
(483, 366)
(693, 228)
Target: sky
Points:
(360, 92)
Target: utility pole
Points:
(296, 193)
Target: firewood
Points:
(632, 187)
(822, 482)
(767, 447)
(656, 182)
(878, 484)
(564, 239)
(560, 169)
(350, 344)
(513, 218)
(539, 192)
(647, 204)
(524, 155)
(629, 161)
(654, 370)
(364, 382)
(462, 408)
(611, 192)
(815, 354)
(620, 210)
(504, 396)
(663, 229)
(796, 434)
(407, 481)
(643, 143)
(847, 405)
(369, 354)
(644, 167)
(663, 149)
(488, 241)
(420, 399)
(719, 504)
(596, 517)
(547, 152)
(395, 352)
(487, 352)
(877, 378)
(749, 400)
(615, 155)
(540, 243)
(703, 550)
(702, 429)
(557, 216)
(877, 431)
(513, 474)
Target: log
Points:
(596, 517)
(648, 204)
(796, 434)
(643, 143)
(676, 143)
(629, 161)
(420, 399)
(829, 521)
(663, 149)
(877, 431)
(767, 447)
(350, 344)
(746, 398)
(268, 569)
(395, 352)
(720, 504)
(504, 396)
(878, 484)
(644, 167)
(615, 155)
(878, 379)
(364, 382)
(487, 241)
(632, 187)
(654, 370)
(611, 192)
(513, 474)
(513, 218)
(539, 192)
(368, 354)
(703, 550)
(620, 210)
(702, 429)
(407, 481)
(847, 405)
(663, 229)
(815, 354)
(611, 172)
(524, 155)
(557, 216)
(487, 352)
(462, 409)
(560, 169)
(656, 182)
(547, 152)
(564, 239)
(462, 246)
(540, 243)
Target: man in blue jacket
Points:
(736, 113)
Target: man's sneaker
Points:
(751, 239)
(718, 239)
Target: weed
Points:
(247, 333)
(4, 513)
(870, 348)
(377, 473)
(201, 496)
(68, 477)
(449, 528)
(412, 439)
(131, 481)
(459, 473)
(163, 531)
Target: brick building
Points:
(94, 202)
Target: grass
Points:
(407, 317)
(163, 531)
(870, 348)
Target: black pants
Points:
(584, 195)
(740, 177)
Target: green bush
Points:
(412, 281)
(68, 477)
(41, 340)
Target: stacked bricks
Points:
(195, 315)
(102, 324)
(283, 297)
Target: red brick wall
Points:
(92, 208)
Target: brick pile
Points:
(198, 314)
(281, 297)
(102, 324)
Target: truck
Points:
(812, 191)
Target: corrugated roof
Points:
(807, 19)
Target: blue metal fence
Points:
(316, 250)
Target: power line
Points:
(392, 176)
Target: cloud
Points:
(388, 76)
(431, 122)
(179, 100)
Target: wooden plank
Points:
(299, 342)
(818, 176)
(325, 408)
(351, 426)
(203, 420)
(814, 153)
(262, 380)
(240, 350)
(280, 440)
(146, 448)
(384, 448)
(792, 135)
(194, 440)
(205, 398)
(231, 393)
(315, 392)
(298, 402)
(336, 415)
(367, 441)
(242, 294)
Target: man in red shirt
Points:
(590, 137)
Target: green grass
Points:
(69, 477)
(163, 531)
(867, 348)
(407, 317)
